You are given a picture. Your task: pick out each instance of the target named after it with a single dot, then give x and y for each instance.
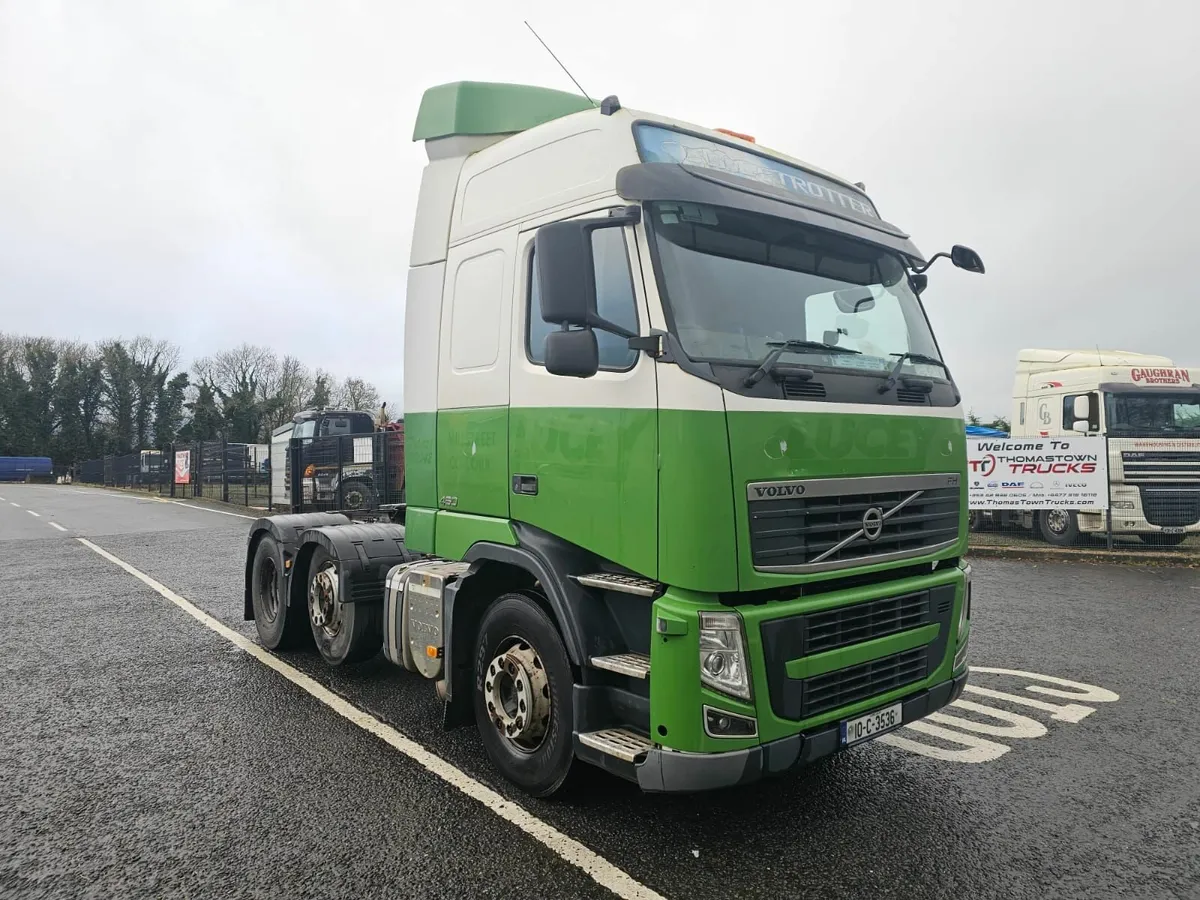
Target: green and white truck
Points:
(685, 474)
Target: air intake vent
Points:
(908, 396)
(795, 389)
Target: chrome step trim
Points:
(625, 584)
(622, 743)
(635, 665)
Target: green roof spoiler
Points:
(487, 108)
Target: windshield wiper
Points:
(909, 357)
(778, 348)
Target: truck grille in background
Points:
(1160, 465)
(1171, 505)
(845, 686)
(847, 625)
(812, 525)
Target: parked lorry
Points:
(1148, 408)
(333, 472)
(685, 473)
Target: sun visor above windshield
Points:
(692, 184)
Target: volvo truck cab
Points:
(685, 468)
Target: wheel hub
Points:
(517, 693)
(323, 606)
(1057, 521)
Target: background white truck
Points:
(1148, 408)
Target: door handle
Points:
(525, 484)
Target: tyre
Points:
(1162, 540)
(358, 495)
(1059, 527)
(523, 695)
(343, 632)
(279, 628)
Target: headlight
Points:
(723, 654)
(1123, 504)
(964, 612)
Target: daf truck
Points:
(685, 469)
(1148, 408)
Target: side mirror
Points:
(1082, 407)
(966, 258)
(1080, 426)
(572, 353)
(567, 272)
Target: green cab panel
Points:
(472, 461)
(697, 536)
(457, 532)
(420, 471)
(597, 479)
(781, 446)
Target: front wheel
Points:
(358, 495)
(523, 695)
(344, 632)
(1059, 527)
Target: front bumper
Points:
(674, 771)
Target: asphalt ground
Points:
(147, 755)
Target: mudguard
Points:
(365, 551)
(286, 531)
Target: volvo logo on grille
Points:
(872, 523)
(777, 490)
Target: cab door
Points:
(583, 452)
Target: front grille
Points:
(847, 625)
(818, 525)
(1171, 505)
(799, 636)
(1159, 465)
(845, 686)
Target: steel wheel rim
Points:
(324, 610)
(1057, 521)
(516, 692)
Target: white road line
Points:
(56, 525)
(32, 513)
(17, 505)
(219, 512)
(599, 869)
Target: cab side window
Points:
(615, 301)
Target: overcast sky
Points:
(211, 172)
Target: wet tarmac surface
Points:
(146, 756)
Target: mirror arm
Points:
(930, 262)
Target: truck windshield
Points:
(305, 429)
(735, 281)
(1147, 414)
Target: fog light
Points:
(720, 723)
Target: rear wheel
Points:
(1059, 527)
(358, 495)
(523, 695)
(1162, 540)
(344, 632)
(279, 628)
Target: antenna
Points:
(561, 66)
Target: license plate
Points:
(1174, 530)
(871, 725)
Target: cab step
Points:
(635, 665)
(625, 584)
(621, 743)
